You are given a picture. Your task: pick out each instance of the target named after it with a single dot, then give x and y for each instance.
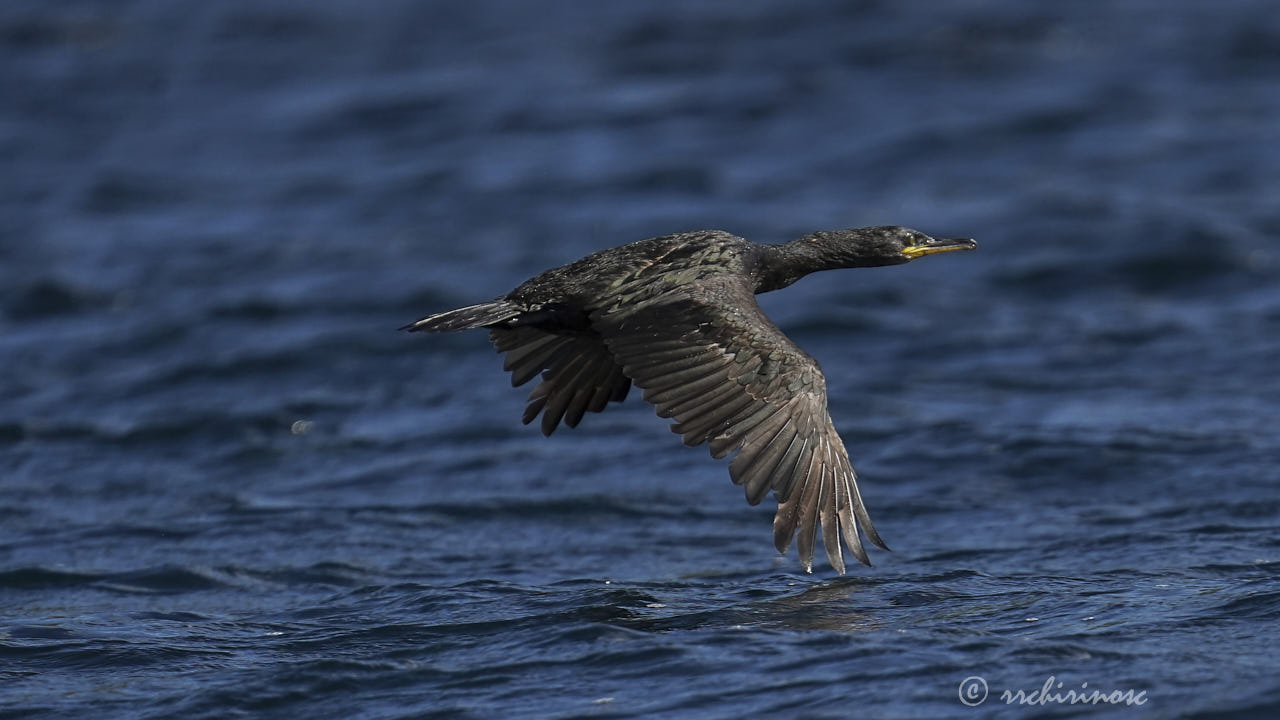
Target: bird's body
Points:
(676, 316)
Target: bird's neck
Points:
(780, 265)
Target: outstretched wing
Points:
(578, 373)
(707, 355)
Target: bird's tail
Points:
(471, 316)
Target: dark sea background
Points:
(229, 487)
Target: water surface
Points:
(229, 488)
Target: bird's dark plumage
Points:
(676, 315)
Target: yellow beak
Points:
(932, 246)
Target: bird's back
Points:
(636, 271)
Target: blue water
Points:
(228, 488)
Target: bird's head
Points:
(881, 245)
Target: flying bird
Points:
(677, 317)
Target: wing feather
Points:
(563, 382)
(579, 373)
(675, 388)
(808, 511)
(697, 428)
(827, 504)
(709, 401)
(707, 356)
(528, 366)
(663, 366)
(758, 471)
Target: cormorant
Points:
(677, 316)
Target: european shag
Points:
(676, 315)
